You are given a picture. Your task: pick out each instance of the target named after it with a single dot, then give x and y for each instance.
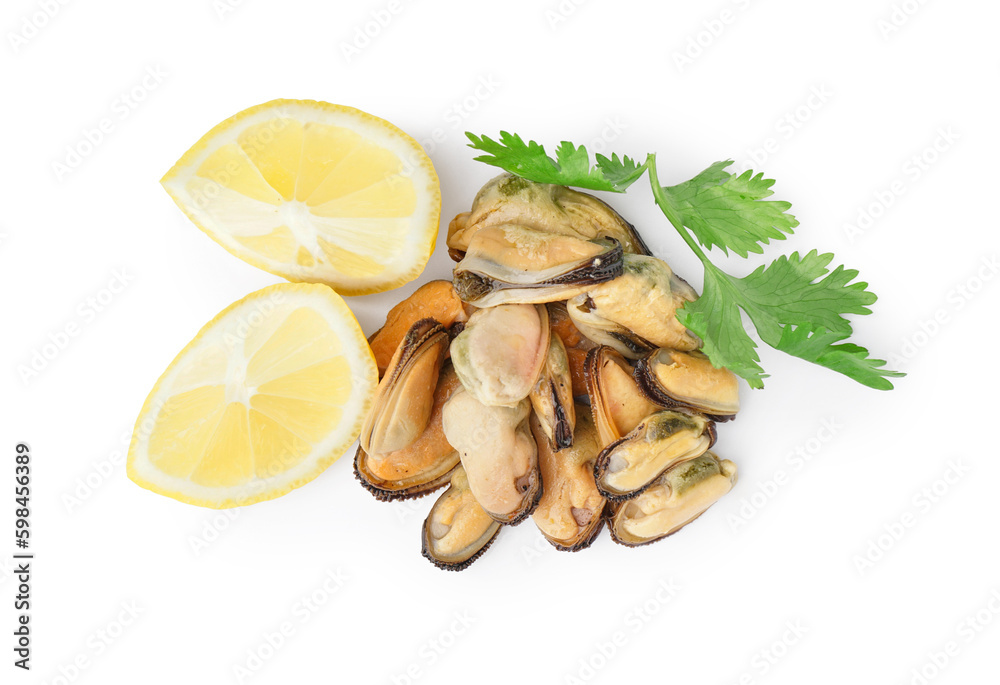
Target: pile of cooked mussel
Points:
(550, 379)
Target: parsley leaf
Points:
(571, 167)
(788, 293)
(796, 304)
(727, 211)
(817, 346)
(715, 318)
(621, 173)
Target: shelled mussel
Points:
(550, 379)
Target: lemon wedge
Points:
(313, 192)
(268, 394)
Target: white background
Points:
(208, 588)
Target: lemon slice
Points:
(313, 192)
(268, 394)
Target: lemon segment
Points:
(313, 192)
(267, 395)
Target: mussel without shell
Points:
(500, 352)
(511, 263)
(434, 300)
(662, 440)
(552, 397)
(405, 395)
(635, 313)
(555, 297)
(617, 403)
(509, 199)
(457, 530)
(569, 514)
(498, 452)
(688, 380)
(422, 466)
(677, 498)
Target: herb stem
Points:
(668, 211)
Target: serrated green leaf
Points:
(818, 346)
(792, 290)
(790, 294)
(787, 300)
(729, 212)
(513, 155)
(571, 166)
(715, 318)
(621, 173)
(575, 161)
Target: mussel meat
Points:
(616, 401)
(457, 530)
(662, 440)
(552, 397)
(512, 263)
(500, 352)
(509, 199)
(689, 380)
(405, 395)
(435, 300)
(422, 466)
(569, 514)
(577, 345)
(677, 498)
(498, 452)
(635, 313)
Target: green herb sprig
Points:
(796, 304)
